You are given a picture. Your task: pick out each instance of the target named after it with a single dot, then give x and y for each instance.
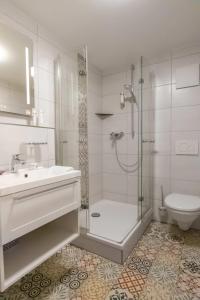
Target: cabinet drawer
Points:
(31, 209)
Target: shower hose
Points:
(123, 166)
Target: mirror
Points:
(16, 72)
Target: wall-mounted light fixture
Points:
(28, 100)
(3, 54)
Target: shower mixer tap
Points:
(116, 135)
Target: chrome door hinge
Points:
(141, 81)
(141, 198)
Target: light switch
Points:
(187, 147)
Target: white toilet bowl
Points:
(184, 209)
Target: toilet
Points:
(184, 209)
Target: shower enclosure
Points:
(112, 222)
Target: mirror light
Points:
(3, 54)
(27, 76)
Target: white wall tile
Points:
(94, 135)
(185, 187)
(115, 123)
(51, 144)
(161, 97)
(185, 97)
(157, 184)
(47, 109)
(95, 144)
(113, 84)
(162, 144)
(111, 104)
(46, 55)
(46, 85)
(162, 120)
(132, 185)
(15, 141)
(109, 145)
(115, 183)
(157, 74)
(161, 166)
(186, 118)
(94, 124)
(95, 164)
(94, 82)
(95, 186)
(94, 103)
(185, 167)
(182, 62)
(110, 164)
(115, 197)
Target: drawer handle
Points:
(28, 195)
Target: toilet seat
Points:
(184, 203)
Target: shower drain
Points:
(95, 214)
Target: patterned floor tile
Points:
(165, 265)
(132, 281)
(109, 271)
(189, 284)
(89, 262)
(95, 288)
(121, 294)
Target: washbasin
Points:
(27, 179)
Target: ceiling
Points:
(117, 32)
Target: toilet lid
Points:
(183, 202)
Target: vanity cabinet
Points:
(34, 225)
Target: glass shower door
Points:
(145, 142)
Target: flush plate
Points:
(187, 147)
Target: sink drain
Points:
(95, 214)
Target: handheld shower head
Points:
(127, 95)
(122, 100)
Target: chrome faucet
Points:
(15, 162)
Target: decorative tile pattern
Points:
(89, 262)
(191, 267)
(165, 265)
(140, 265)
(109, 271)
(83, 130)
(131, 281)
(189, 284)
(33, 284)
(120, 294)
(73, 278)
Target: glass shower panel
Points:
(71, 118)
(146, 141)
(66, 96)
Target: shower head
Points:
(127, 95)
(128, 90)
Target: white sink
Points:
(26, 179)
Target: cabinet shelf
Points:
(35, 247)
